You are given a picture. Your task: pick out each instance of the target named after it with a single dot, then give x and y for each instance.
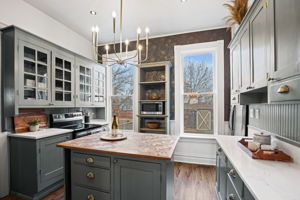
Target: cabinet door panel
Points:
(136, 180)
(259, 42)
(235, 68)
(245, 59)
(99, 86)
(51, 160)
(286, 18)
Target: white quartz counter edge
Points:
(267, 180)
(43, 133)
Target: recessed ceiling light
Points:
(92, 12)
(183, 1)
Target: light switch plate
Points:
(252, 114)
(257, 113)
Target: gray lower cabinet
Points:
(229, 185)
(101, 176)
(37, 166)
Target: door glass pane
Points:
(67, 86)
(29, 93)
(29, 80)
(42, 95)
(82, 88)
(42, 70)
(67, 65)
(59, 73)
(122, 107)
(68, 97)
(88, 80)
(58, 85)
(87, 89)
(122, 80)
(67, 75)
(58, 96)
(87, 97)
(29, 53)
(88, 71)
(82, 79)
(42, 57)
(42, 82)
(82, 97)
(59, 62)
(29, 67)
(82, 70)
(198, 73)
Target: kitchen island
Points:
(139, 167)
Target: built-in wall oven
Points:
(152, 108)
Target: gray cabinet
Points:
(99, 82)
(235, 67)
(221, 172)
(259, 46)
(135, 180)
(37, 166)
(285, 29)
(63, 79)
(34, 74)
(245, 69)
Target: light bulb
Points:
(147, 30)
(140, 47)
(106, 47)
(127, 42)
(95, 29)
(139, 30)
(114, 14)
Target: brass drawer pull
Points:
(90, 197)
(231, 197)
(232, 173)
(90, 175)
(283, 89)
(90, 160)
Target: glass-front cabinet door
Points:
(99, 85)
(34, 82)
(84, 83)
(63, 79)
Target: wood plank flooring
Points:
(191, 182)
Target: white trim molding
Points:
(217, 48)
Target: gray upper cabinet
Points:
(34, 75)
(245, 69)
(235, 68)
(284, 19)
(99, 85)
(63, 79)
(259, 46)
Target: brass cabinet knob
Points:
(232, 173)
(249, 88)
(283, 89)
(90, 175)
(231, 197)
(115, 161)
(90, 197)
(89, 160)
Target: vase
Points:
(34, 128)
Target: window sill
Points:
(198, 136)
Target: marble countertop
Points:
(265, 179)
(152, 146)
(42, 133)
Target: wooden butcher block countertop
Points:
(152, 146)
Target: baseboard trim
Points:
(195, 160)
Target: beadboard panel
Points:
(282, 120)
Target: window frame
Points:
(110, 89)
(217, 49)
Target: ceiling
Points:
(163, 17)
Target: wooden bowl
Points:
(153, 125)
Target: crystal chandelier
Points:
(121, 57)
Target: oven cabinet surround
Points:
(264, 54)
(37, 165)
(37, 73)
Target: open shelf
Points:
(160, 100)
(153, 130)
(153, 82)
(158, 116)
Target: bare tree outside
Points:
(122, 80)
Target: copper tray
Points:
(275, 155)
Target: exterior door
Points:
(259, 46)
(34, 82)
(84, 83)
(136, 180)
(99, 86)
(284, 19)
(63, 79)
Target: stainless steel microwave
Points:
(152, 108)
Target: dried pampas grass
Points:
(238, 10)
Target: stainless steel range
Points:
(75, 121)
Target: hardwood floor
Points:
(192, 182)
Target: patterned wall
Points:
(283, 119)
(162, 49)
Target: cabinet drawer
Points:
(96, 178)
(283, 91)
(91, 160)
(236, 179)
(235, 99)
(232, 194)
(80, 193)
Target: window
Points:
(121, 93)
(199, 88)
